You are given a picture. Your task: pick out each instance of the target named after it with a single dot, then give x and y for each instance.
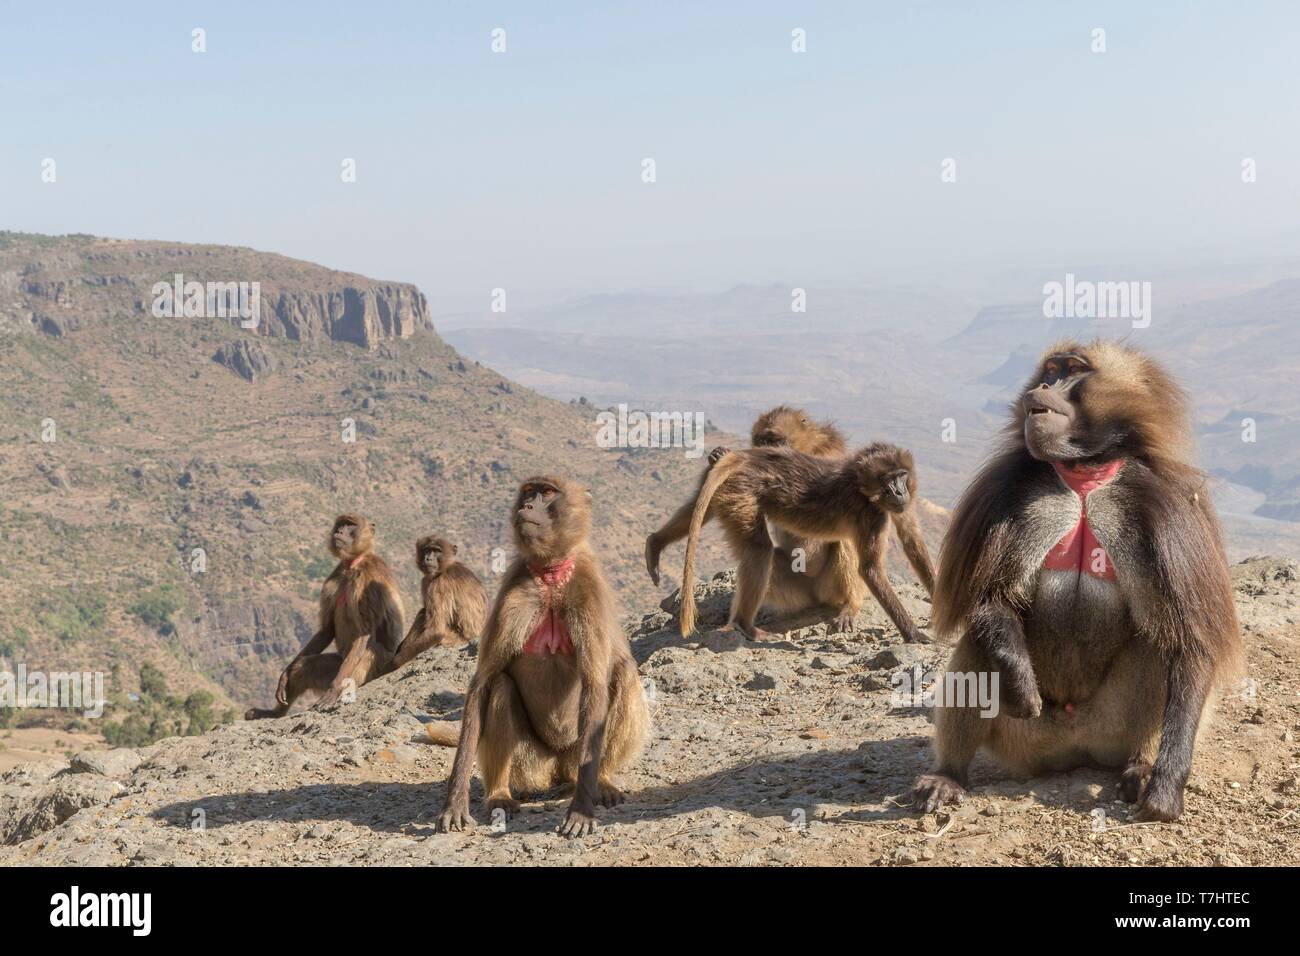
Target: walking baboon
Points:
(805, 572)
(1084, 567)
(556, 697)
(455, 603)
(847, 500)
(360, 614)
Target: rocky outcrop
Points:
(246, 359)
(362, 316)
(64, 284)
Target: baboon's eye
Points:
(1077, 367)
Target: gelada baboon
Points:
(556, 697)
(827, 572)
(849, 499)
(1084, 567)
(455, 603)
(360, 614)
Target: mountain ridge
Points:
(131, 445)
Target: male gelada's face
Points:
(1055, 425)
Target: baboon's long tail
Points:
(445, 733)
(720, 472)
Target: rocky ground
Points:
(784, 752)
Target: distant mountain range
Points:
(899, 364)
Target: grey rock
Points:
(246, 359)
(107, 763)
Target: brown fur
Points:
(1142, 652)
(829, 575)
(537, 720)
(455, 603)
(364, 625)
(795, 428)
(847, 500)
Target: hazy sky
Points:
(522, 170)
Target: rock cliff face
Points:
(362, 316)
(57, 287)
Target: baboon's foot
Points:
(1162, 800)
(610, 795)
(1133, 781)
(503, 802)
(577, 823)
(934, 790)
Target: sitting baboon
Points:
(360, 614)
(556, 697)
(455, 603)
(1085, 571)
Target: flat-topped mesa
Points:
(57, 285)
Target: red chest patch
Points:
(551, 635)
(1080, 550)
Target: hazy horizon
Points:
(522, 170)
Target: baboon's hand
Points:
(455, 817)
(933, 790)
(282, 689)
(329, 698)
(1018, 694)
(717, 454)
(578, 822)
(1163, 800)
(842, 623)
